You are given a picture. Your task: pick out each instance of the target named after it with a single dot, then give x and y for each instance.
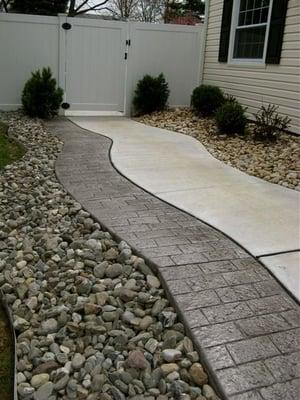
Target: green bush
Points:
(230, 99)
(230, 118)
(41, 97)
(151, 94)
(206, 99)
(268, 123)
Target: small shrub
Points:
(151, 94)
(41, 97)
(268, 123)
(230, 99)
(230, 118)
(206, 99)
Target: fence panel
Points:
(26, 43)
(173, 50)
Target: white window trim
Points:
(234, 23)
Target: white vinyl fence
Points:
(96, 62)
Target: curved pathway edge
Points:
(260, 216)
(245, 325)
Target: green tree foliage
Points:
(177, 8)
(41, 97)
(173, 9)
(151, 94)
(39, 7)
(206, 99)
(268, 123)
(197, 7)
(230, 118)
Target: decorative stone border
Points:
(245, 325)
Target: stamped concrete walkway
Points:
(245, 325)
(262, 217)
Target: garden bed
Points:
(91, 319)
(276, 162)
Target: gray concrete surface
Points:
(262, 217)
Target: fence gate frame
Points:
(117, 57)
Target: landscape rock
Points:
(198, 375)
(78, 361)
(171, 355)
(44, 392)
(114, 270)
(39, 380)
(136, 360)
(49, 326)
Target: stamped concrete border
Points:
(243, 322)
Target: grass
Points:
(6, 358)
(10, 151)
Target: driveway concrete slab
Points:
(286, 268)
(253, 215)
(262, 217)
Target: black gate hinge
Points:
(65, 106)
(66, 26)
(128, 42)
(125, 56)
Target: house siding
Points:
(257, 85)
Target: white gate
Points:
(95, 65)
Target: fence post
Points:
(128, 72)
(62, 61)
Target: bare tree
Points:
(84, 6)
(150, 10)
(75, 7)
(4, 5)
(123, 9)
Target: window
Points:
(250, 27)
(252, 31)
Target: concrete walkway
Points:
(264, 218)
(244, 324)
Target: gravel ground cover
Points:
(276, 162)
(92, 321)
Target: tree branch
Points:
(97, 7)
(81, 5)
(5, 4)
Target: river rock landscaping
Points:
(276, 162)
(92, 320)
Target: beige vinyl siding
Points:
(257, 85)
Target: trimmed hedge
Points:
(151, 94)
(230, 118)
(206, 99)
(41, 97)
